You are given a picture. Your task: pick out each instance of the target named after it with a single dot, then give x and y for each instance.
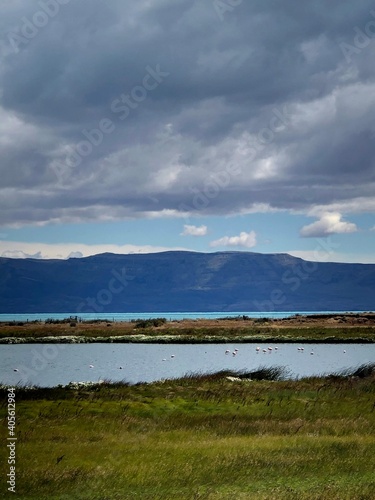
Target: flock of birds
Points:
(258, 349)
(227, 351)
(269, 350)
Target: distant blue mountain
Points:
(184, 281)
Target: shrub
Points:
(147, 323)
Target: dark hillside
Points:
(184, 281)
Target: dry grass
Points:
(343, 328)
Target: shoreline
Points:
(190, 340)
(314, 328)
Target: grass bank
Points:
(218, 436)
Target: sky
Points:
(218, 125)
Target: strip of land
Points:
(316, 328)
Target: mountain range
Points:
(184, 281)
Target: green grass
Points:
(198, 437)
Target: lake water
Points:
(167, 315)
(53, 364)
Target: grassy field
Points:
(199, 437)
(330, 328)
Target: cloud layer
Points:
(133, 109)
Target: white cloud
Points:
(247, 240)
(194, 230)
(329, 223)
(23, 250)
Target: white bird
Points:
(276, 348)
(236, 350)
(91, 366)
(258, 349)
(227, 351)
(302, 348)
(264, 350)
(234, 353)
(15, 370)
(172, 355)
(270, 348)
(312, 352)
(164, 359)
(344, 351)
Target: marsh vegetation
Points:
(223, 435)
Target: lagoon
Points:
(48, 365)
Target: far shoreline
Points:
(326, 328)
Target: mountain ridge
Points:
(184, 281)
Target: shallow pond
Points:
(53, 364)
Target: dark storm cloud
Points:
(166, 106)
